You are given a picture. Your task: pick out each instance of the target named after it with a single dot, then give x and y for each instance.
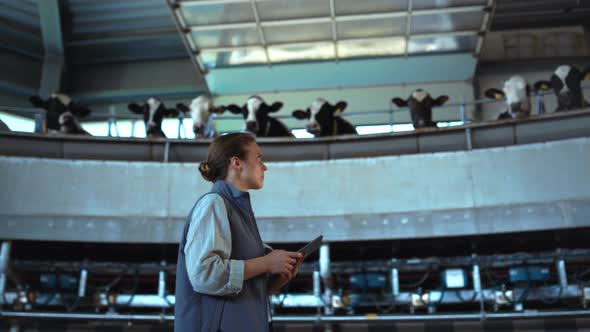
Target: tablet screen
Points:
(311, 246)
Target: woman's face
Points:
(253, 168)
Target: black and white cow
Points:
(420, 104)
(201, 111)
(566, 82)
(324, 119)
(62, 113)
(258, 121)
(517, 93)
(153, 111)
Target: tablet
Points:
(312, 246)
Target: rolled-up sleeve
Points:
(208, 249)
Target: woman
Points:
(222, 277)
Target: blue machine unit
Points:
(66, 281)
(528, 273)
(368, 281)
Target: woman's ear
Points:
(235, 163)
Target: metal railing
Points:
(112, 119)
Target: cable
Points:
(554, 300)
(462, 299)
(420, 282)
(134, 289)
(284, 293)
(76, 302)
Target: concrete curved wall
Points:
(542, 186)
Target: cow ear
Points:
(399, 102)
(494, 94)
(79, 110)
(340, 107)
(441, 100)
(275, 107)
(586, 74)
(183, 108)
(171, 112)
(38, 102)
(542, 86)
(219, 109)
(133, 107)
(299, 114)
(233, 108)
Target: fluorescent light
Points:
(403, 127)
(370, 130)
(18, 123)
(96, 128)
(449, 124)
(301, 133)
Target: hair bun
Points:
(206, 171)
(204, 167)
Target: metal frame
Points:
(425, 35)
(326, 299)
(334, 29)
(343, 18)
(548, 126)
(485, 26)
(331, 19)
(428, 299)
(188, 44)
(259, 30)
(321, 319)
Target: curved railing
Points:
(541, 128)
(112, 119)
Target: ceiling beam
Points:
(53, 61)
(342, 18)
(416, 36)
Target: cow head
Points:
(153, 111)
(201, 110)
(321, 116)
(517, 93)
(420, 104)
(62, 114)
(256, 114)
(566, 83)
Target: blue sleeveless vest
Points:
(246, 311)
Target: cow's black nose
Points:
(252, 127)
(313, 128)
(198, 129)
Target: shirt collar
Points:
(230, 190)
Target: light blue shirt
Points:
(208, 248)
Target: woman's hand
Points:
(295, 270)
(282, 279)
(282, 262)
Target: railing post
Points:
(540, 97)
(394, 278)
(326, 276)
(181, 124)
(391, 111)
(4, 258)
(133, 128)
(112, 121)
(39, 121)
(463, 120)
(475, 274)
(561, 271)
(462, 109)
